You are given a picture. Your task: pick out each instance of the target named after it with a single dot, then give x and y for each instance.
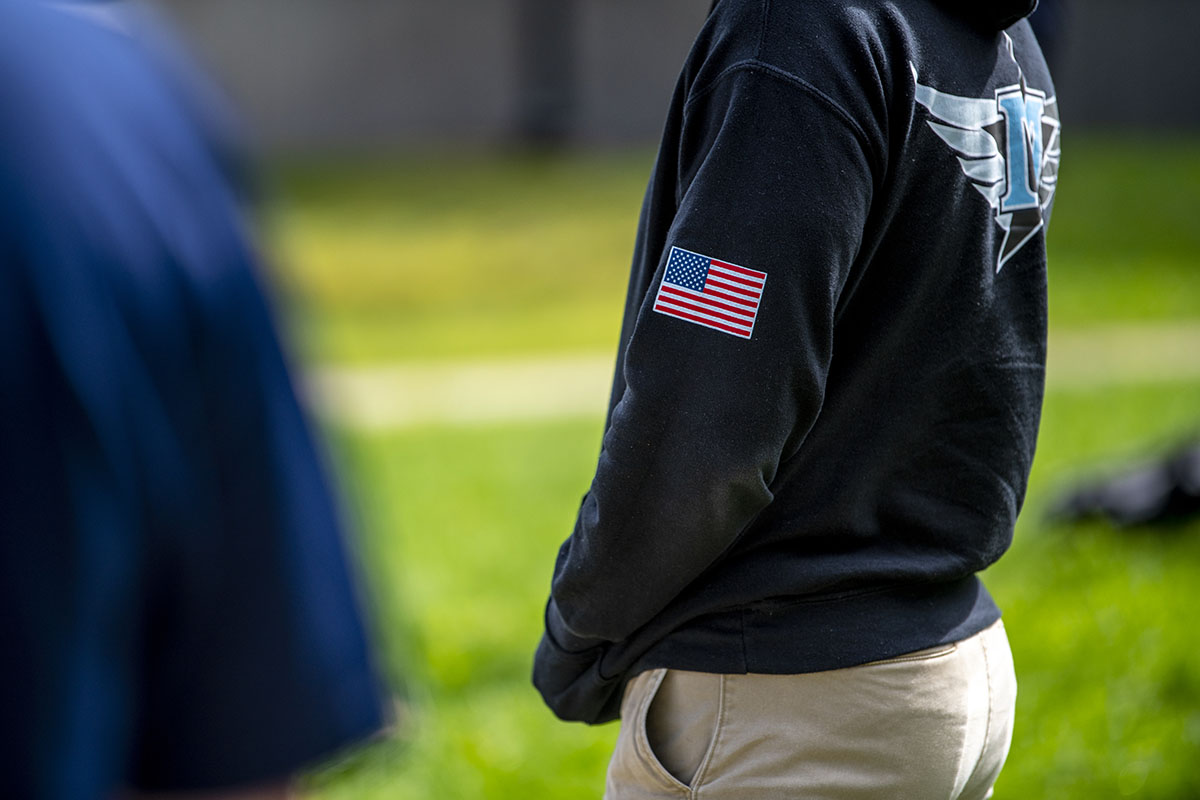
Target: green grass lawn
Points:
(466, 259)
(461, 530)
(444, 258)
(457, 257)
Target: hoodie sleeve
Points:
(775, 179)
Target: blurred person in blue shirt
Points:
(177, 612)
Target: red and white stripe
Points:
(728, 303)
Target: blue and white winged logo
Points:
(1008, 146)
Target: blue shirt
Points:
(176, 609)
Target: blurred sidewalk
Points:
(402, 395)
(396, 396)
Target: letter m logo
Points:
(1022, 109)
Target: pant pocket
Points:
(678, 726)
(633, 774)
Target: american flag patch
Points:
(711, 293)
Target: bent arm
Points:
(782, 186)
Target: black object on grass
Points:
(1164, 490)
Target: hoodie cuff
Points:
(566, 670)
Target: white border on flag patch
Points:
(707, 320)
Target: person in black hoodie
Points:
(824, 412)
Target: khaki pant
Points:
(931, 724)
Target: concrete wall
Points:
(322, 73)
(342, 74)
(351, 73)
(1131, 65)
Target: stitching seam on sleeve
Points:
(762, 33)
(754, 65)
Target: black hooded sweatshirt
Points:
(831, 366)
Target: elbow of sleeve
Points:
(569, 636)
